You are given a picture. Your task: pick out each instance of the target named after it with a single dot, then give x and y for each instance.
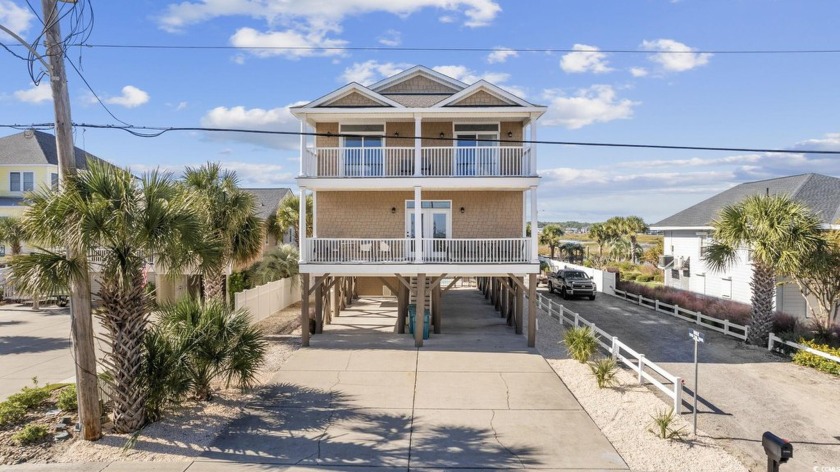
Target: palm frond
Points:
(43, 272)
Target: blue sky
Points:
(776, 101)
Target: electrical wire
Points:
(153, 132)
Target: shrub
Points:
(11, 413)
(30, 397)
(30, 433)
(580, 342)
(807, 359)
(210, 342)
(67, 399)
(784, 323)
(662, 425)
(605, 371)
(163, 374)
(644, 278)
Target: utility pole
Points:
(87, 390)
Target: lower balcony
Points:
(353, 251)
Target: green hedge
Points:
(807, 359)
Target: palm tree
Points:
(779, 233)
(628, 227)
(602, 234)
(279, 263)
(550, 236)
(12, 233)
(288, 216)
(230, 217)
(108, 209)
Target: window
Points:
(27, 184)
(477, 149)
(363, 152)
(54, 181)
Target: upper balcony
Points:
(385, 162)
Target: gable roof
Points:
(268, 199)
(32, 147)
(484, 87)
(329, 99)
(820, 193)
(448, 84)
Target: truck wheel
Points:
(550, 288)
(592, 297)
(564, 294)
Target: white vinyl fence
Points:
(715, 324)
(773, 340)
(265, 300)
(604, 281)
(672, 385)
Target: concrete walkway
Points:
(363, 397)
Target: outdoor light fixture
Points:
(442, 135)
(510, 134)
(462, 210)
(393, 210)
(397, 134)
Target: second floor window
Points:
(362, 150)
(21, 181)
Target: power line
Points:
(153, 132)
(457, 49)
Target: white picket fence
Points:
(672, 386)
(773, 340)
(265, 300)
(715, 324)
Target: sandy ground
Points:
(624, 415)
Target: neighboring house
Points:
(688, 233)
(268, 199)
(453, 201)
(28, 161)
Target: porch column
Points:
(319, 305)
(437, 310)
(520, 307)
(418, 229)
(532, 310)
(421, 310)
(304, 310)
(304, 255)
(336, 301)
(314, 212)
(418, 157)
(533, 163)
(402, 305)
(524, 213)
(302, 145)
(534, 246)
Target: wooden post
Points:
(532, 310)
(511, 302)
(304, 310)
(325, 318)
(487, 287)
(520, 308)
(437, 309)
(421, 310)
(497, 300)
(336, 303)
(319, 305)
(402, 307)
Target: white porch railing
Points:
(399, 162)
(435, 251)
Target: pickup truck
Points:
(571, 283)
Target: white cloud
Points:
(596, 104)
(638, 71)
(181, 106)
(468, 76)
(239, 117)
(500, 55)
(299, 42)
(131, 97)
(447, 19)
(585, 59)
(14, 17)
(250, 174)
(372, 71)
(39, 94)
(391, 38)
(675, 56)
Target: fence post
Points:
(576, 321)
(677, 395)
(656, 304)
(676, 309)
(726, 326)
(699, 319)
(641, 366)
(770, 342)
(614, 348)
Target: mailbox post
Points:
(778, 450)
(697, 336)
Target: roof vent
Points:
(28, 133)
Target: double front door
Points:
(435, 223)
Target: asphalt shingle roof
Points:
(821, 193)
(35, 147)
(268, 199)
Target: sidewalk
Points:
(362, 397)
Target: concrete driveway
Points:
(33, 344)
(473, 397)
(744, 390)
